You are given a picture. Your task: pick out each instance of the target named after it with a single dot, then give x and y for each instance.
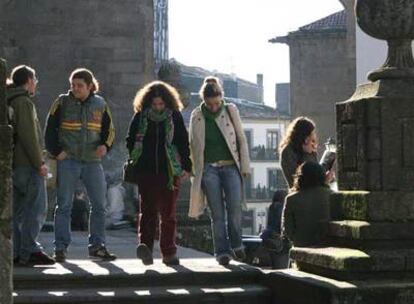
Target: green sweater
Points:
(216, 147)
(28, 149)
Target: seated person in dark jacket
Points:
(307, 208)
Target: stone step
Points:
(241, 294)
(132, 273)
(362, 230)
(373, 206)
(313, 289)
(347, 264)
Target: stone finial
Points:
(393, 21)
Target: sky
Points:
(231, 36)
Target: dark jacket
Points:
(290, 160)
(78, 128)
(153, 159)
(28, 145)
(304, 214)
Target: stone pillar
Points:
(369, 257)
(5, 194)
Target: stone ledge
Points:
(351, 263)
(293, 286)
(373, 206)
(246, 294)
(361, 230)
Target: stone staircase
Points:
(128, 281)
(369, 236)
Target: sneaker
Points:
(101, 253)
(60, 256)
(239, 254)
(223, 260)
(171, 260)
(145, 254)
(38, 258)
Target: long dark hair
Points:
(20, 75)
(297, 132)
(168, 93)
(309, 175)
(87, 76)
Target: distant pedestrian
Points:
(29, 169)
(79, 133)
(307, 207)
(221, 160)
(157, 142)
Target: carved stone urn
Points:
(392, 21)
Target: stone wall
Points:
(322, 72)
(112, 38)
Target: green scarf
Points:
(165, 117)
(210, 115)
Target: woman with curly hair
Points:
(299, 145)
(307, 207)
(158, 144)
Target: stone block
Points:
(361, 230)
(351, 263)
(373, 206)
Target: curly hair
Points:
(309, 175)
(297, 132)
(168, 93)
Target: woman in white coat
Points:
(220, 158)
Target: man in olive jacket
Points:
(29, 169)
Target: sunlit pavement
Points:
(120, 242)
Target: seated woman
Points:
(307, 207)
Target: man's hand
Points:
(62, 155)
(43, 170)
(101, 151)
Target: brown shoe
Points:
(171, 260)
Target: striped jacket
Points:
(78, 128)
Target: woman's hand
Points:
(245, 174)
(185, 174)
(62, 155)
(330, 176)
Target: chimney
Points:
(259, 82)
(283, 98)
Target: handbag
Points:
(130, 172)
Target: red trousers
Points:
(156, 199)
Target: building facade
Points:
(322, 69)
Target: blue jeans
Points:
(223, 188)
(69, 172)
(29, 211)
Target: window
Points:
(249, 138)
(276, 180)
(272, 139)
